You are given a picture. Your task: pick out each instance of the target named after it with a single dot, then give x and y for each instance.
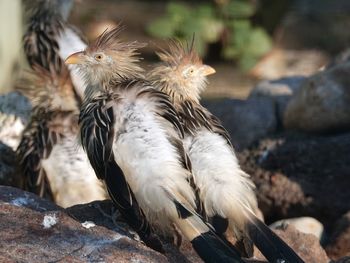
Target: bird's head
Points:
(107, 58)
(49, 89)
(182, 72)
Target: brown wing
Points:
(36, 145)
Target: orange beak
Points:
(207, 70)
(75, 58)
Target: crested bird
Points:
(52, 163)
(225, 190)
(132, 136)
(49, 38)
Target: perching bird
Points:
(132, 136)
(225, 190)
(52, 163)
(49, 39)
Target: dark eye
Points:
(98, 56)
(191, 70)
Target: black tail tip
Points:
(211, 249)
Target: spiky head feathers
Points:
(182, 73)
(48, 89)
(108, 58)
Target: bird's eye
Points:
(98, 57)
(191, 70)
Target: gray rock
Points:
(339, 242)
(32, 230)
(322, 103)
(246, 120)
(35, 230)
(280, 90)
(307, 225)
(14, 114)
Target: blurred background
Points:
(281, 88)
(246, 40)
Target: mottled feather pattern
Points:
(40, 43)
(96, 124)
(39, 137)
(194, 116)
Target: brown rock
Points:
(280, 63)
(34, 230)
(322, 103)
(307, 246)
(339, 241)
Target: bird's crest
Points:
(109, 41)
(178, 54)
(46, 87)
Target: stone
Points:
(307, 246)
(14, 114)
(246, 120)
(322, 103)
(35, 230)
(307, 225)
(280, 90)
(338, 244)
(298, 174)
(279, 63)
(342, 260)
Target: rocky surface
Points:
(322, 103)
(307, 245)
(279, 63)
(246, 120)
(306, 225)
(279, 90)
(35, 230)
(14, 113)
(339, 242)
(301, 175)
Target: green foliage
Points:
(226, 21)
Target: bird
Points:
(51, 162)
(226, 192)
(49, 38)
(132, 136)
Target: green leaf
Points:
(259, 42)
(211, 30)
(161, 28)
(239, 9)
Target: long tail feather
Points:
(271, 246)
(205, 241)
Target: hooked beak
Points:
(207, 70)
(75, 58)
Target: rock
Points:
(299, 174)
(322, 102)
(8, 173)
(280, 63)
(37, 231)
(342, 260)
(306, 246)
(245, 120)
(305, 26)
(280, 90)
(306, 225)
(339, 241)
(14, 114)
